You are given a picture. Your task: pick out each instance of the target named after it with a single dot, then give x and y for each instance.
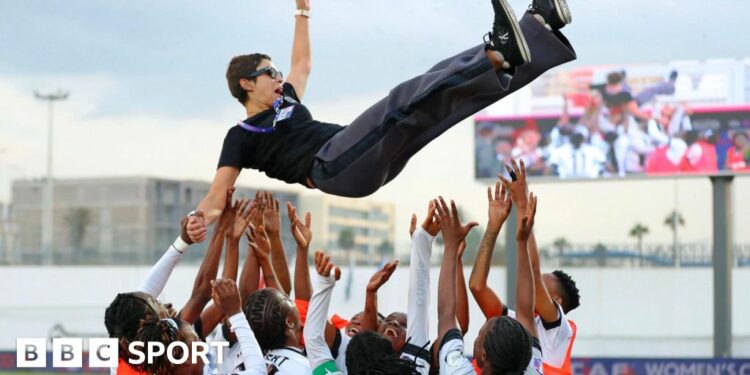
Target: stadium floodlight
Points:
(48, 200)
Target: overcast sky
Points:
(148, 94)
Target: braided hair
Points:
(123, 316)
(266, 310)
(164, 331)
(507, 346)
(371, 354)
(570, 293)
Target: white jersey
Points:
(287, 361)
(454, 362)
(555, 338)
(584, 162)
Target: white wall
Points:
(624, 312)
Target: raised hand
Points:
(527, 222)
(259, 205)
(431, 224)
(241, 218)
(499, 206)
(261, 244)
(517, 187)
(301, 231)
(226, 296)
(381, 276)
(227, 216)
(195, 228)
(324, 266)
(450, 225)
(271, 216)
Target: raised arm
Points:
(519, 190)
(500, 205)
(159, 274)
(212, 315)
(453, 234)
(261, 246)
(418, 313)
(525, 279)
(272, 220)
(318, 351)
(462, 300)
(370, 313)
(302, 235)
(301, 55)
(210, 266)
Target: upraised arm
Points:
(272, 221)
(261, 246)
(519, 190)
(525, 279)
(499, 207)
(210, 266)
(370, 314)
(462, 300)
(453, 234)
(301, 54)
(302, 234)
(318, 351)
(417, 313)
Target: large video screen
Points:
(677, 140)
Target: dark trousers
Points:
(374, 149)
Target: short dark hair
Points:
(371, 354)
(241, 67)
(507, 346)
(614, 78)
(266, 311)
(570, 293)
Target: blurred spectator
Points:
(527, 149)
(701, 153)
(577, 159)
(664, 88)
(738, 156)
(639, 147)
(487, 164)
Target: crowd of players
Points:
(276, 323)
(618, 134)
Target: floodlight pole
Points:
(723, 260)
(48, 199)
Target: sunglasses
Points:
(271, 71)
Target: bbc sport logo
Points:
(104, 352)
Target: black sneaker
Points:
(555, 12)
(506, 36)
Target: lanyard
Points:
(256, 129)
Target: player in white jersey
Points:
(556, 293)
(504, 345)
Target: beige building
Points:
(370, 225)
(118, 221)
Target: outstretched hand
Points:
(271, 215)
(382, 276)
(226, 219)
(517, 187)
(450, 224)
(241, 218)
(324, 266)
(527, 222)
(301, 231)
(431, 223)
(260, 243)
(499, 206)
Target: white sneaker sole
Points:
(563, 11)
(520, 40)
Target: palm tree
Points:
(561, 244)
(674, 220)
(600, 252)
(638, 231)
